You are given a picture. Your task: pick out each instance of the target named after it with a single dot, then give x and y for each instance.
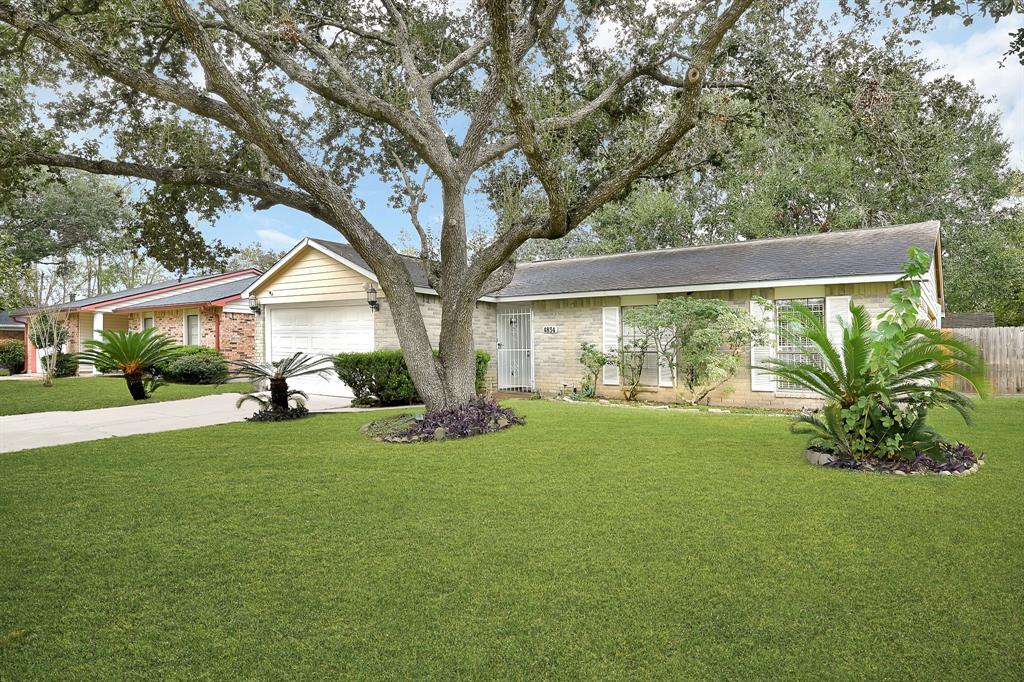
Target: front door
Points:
(515, 347)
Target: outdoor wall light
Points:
(371, 298)
(254, 304)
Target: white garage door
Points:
(320, 330)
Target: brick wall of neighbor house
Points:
(484, 321)
(208, 327)
(12, 334)
(238, 336)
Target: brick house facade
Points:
(315, 300)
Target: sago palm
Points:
(277, 375)
(132, 353)
(877, 390)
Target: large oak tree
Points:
(292, 102)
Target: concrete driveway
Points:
(42, 429)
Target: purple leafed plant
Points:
(482, 415)
(958, 458)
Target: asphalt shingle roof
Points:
(6, 321)
(204, 295)
(852, 253)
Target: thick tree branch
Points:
(553, 226)
(530, 31)
(429, 144)
(116, 69)
(506, 67)
(268, 193)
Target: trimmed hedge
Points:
(12, 355)
(381, 377)
(194, 365)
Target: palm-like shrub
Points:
(879, 388)
(132, 353)
(277, 375)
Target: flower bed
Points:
(483, 415)
(960, 460)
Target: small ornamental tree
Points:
(699, 340)
(594, 361)
(48, 331)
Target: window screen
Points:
(792, 346)
(147, 323)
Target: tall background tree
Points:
(219, 103)
(836, 131)
(72, 235)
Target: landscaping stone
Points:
(440, 433)
(819, 458)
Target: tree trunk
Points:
(135, 386)
(279, 394)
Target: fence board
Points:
(1003, 348)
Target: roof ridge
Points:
(330, 241)
(929, 223)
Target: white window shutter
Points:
(610, 341)
(761, 380)
(837, 313)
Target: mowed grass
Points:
(592, 543)
(90, 393)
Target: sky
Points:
(966, 52)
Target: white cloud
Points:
(977, 58)
(272, 238)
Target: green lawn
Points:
(592, 543)
(89, 393)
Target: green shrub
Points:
(12, 355)
(66, 365)
(381, 377)
(194, 365)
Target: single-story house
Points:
(206, 310)
(10, 328)
(315, 299)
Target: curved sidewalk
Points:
(42, 429)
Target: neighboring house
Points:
(968, 320)
(10, 328)
(315, 300)
(206, 310)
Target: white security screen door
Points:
(515, 347)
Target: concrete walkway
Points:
(42, 429)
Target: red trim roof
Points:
(170, 287)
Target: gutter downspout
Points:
(216, 328)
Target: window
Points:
(649, 375)
(147, 323)
(192, 330)
(792, 346)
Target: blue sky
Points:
(968, 53)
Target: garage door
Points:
(320, 330)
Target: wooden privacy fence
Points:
(1003, 348)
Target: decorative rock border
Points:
(824, 459)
